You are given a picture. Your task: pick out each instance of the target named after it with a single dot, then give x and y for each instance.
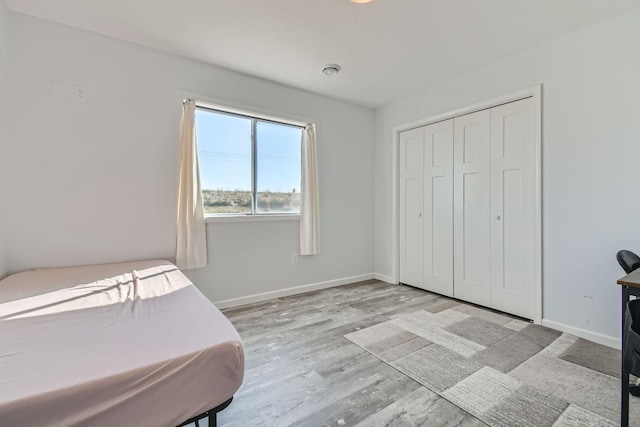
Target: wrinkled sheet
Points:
(128, 344)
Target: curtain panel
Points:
(191, 240)
(309, 203)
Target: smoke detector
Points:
(331, 69)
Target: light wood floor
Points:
(301, 371)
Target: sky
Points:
(224, 151)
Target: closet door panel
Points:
(411, 207)
(513, 208)
(438, 206)
(472, 208)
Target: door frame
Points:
(534, 92)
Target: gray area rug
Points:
(502, 370)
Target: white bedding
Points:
(128, 344)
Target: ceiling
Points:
(388, 49)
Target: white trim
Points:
(537, 110)
(251, 218)
(235, 107)
(384, 278)
(596, 337)
(395, 208)
(265, 296)
(534, 92)
(214, 108)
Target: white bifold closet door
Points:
(438, 207)
(411, 206)
(471, 189)
(513, 208)
(468, 207)
(426, 225)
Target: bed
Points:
(127, 344)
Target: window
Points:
(248, 165)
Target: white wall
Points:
(97, 179)
(591, 152)
(5, 36)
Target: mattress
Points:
(128, 344)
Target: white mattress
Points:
(128, 344)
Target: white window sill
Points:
(252, 218)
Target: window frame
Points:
(255, 118)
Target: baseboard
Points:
(384, 278)
(596, 337)
(265, 296)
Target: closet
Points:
(467, 220)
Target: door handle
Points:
(419, 214)
(497, 217)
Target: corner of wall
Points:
(5, 39)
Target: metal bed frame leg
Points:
(212, 414)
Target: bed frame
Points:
(211, 414)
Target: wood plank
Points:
(300, 370)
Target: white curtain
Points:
(191, 242)
(309, 203)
